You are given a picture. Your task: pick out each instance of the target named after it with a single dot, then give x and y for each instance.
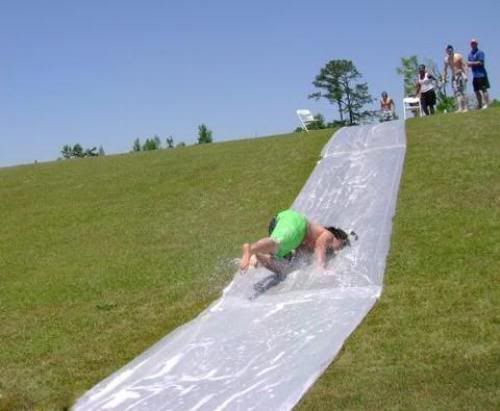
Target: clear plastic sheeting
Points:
(267, 339)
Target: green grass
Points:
(100, 258)
(432, 342)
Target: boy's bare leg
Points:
(264, 246)
(272, 265)
(245, 257)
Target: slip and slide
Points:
(267, 339)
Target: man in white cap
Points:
(479, 75)
(458, 67)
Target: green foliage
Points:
(204, 134)
(67, 151)
(137, 145)
(445, 104)
(335, 124)
(318, 124)
(338, 83)
(170, 142)
(409, 71)
(77, 151)
(152, 144)
(90, 152)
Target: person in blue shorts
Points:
(290, 231)
(480, 81)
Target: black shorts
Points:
(480, 83)
(428, 98)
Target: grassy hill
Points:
(432, 342)
(101, 257)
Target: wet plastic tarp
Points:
(262, 348)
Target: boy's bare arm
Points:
(320, 248)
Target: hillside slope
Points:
(432, 341)
(102, 257)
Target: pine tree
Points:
(338, 81)
(204, 134)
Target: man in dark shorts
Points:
(291, 231)
(479, 75)
(425, 89)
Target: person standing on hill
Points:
(455, 62)
(425, 89)
(387, 107)
(479, 75)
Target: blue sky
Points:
(107, 72)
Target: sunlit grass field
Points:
(101, 257)
(433, 340)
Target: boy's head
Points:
(342, 237)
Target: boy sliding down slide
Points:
(290, 231)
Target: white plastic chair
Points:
(412, 104)
(306, 117)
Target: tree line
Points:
(77, 151)
(339, 82)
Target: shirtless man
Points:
(387, 107)
(292, 231)
(458, 67)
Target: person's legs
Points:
(477, 85)
(277, 267)
(263, 246)
(462, 102)
(431, 100)
(286, 236)
(486, 98)
(460, 90)
(423, 104)
(458, 98)
(479, 97)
